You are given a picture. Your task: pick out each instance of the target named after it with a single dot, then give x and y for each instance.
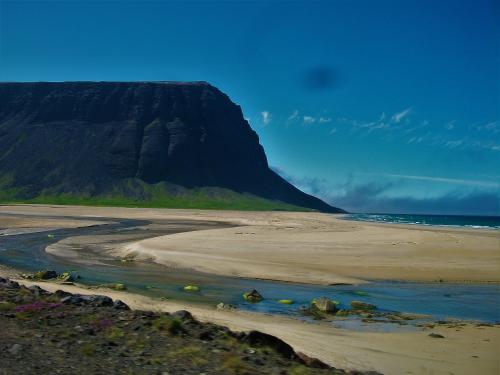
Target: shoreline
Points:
(465, 349)
(303, 248)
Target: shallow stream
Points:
(26, 251)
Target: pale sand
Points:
(305, 247)
(389, 353)
(18, 224)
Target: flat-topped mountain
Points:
(133, 141)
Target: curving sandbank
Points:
(303, 247)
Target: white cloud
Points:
(266, 117)
(309, 120)
(399, 116)
(333, 131)
(324, 120)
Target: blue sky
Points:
(371, 105)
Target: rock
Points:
(45, 275)
(358, 305)
(115, 286)
(286, 301)
(37, 291)
(311, 362)
(207, 334)
(130, 135)
(324, 304)
(67, 277)
(8, 284)
(94, 300)
(257, 338)
(98, 300)
(15, 349)
(225, 306)
(436, 336)
(72, 300)
(62, 293)
(183, 315)
(253, 296)
(191, 288)
(119, 305)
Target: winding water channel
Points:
(26, 251)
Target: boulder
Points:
(286, 301)
(183, 315)
(324, 304)
(67, 277)
(45, 275)
(253, 296)
(311, 362)
(37, 291)
(225, 306)
(436, 336)
(8, 284)
(257, 338)
(119, 305)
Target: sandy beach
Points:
(307, 248)
(302, 247)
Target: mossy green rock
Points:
(286, 301)
(253, 296)
(115, 286)
(191, 288)
(45, 275)
(67, 276)
(324, 304)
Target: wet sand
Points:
(303, 247)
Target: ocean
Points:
(484, 222)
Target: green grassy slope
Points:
(136, 193)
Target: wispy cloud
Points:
(377, 196)
(294, 115)
(480, 136)
(399, 116)
(450, 125)
(453, 181)
(266, 117)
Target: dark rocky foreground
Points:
(62, 333)
(118, 138)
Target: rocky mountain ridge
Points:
(94, 138)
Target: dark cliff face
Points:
(84, 136)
